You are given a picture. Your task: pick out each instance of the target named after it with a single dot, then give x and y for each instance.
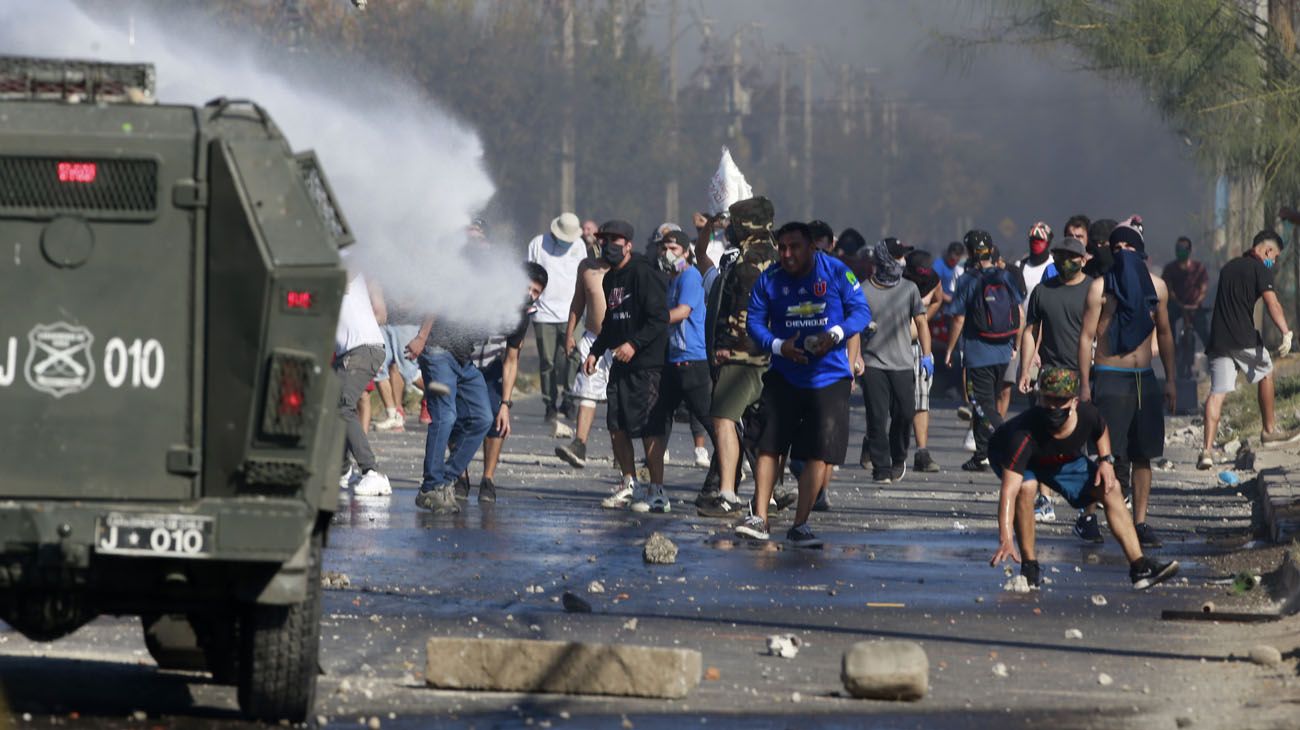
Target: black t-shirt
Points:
(636, 298)
(1026, 441)
(1059, 307)
(1241, 283)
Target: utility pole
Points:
(807, 135)
(568, 135)
(734, 131)
(888, 153)
(671, 195)
(783, 81)
(618, 20)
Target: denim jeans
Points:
(461, 418)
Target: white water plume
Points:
(408, 176)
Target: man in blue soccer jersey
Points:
(802, 312)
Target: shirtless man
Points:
(1123, 383)
(589, 304)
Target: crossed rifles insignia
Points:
(59, 361)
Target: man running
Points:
(636, 330)
(802, 312)
(1047, 444)
(1125, 310)
(889, 377)
(589, 389)
(1235, 344)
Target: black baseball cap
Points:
(615, 229)
(897, 248)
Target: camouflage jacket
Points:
(730, 299)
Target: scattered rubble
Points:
(595, 587)
(1266, 656)
(1098, 600)
(1018, 584)
(1073, 634)
(1104, 679)
(1000, 670)
(785, 646)
(886, 670)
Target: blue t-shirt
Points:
(976, 352)
(945, 273)
(781, 306)
(686, 338)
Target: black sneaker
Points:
(462, 488)
(1145, 572)
(707, 495)
(440, 500)
(923, 462)
(898, 471)
(823, 503)
(1033, 573)
(551, 414)
(881, 476)
(975, 463)
(720, 506)
(1147, 536)
(783, 500)
(575, 453)
(802, 537)
(1087, 529)
(487, 491)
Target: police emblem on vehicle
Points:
(59, 361)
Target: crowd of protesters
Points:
(756, 335)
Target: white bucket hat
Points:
(566, 227)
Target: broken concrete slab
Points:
(562, 667)
(659, 550)
(886, 670)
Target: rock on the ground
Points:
(1018, 584)
(595, 587)
(659, 550)
(886, 670)
(1105, 680)
(561, 667)
(1265, 655)
(1098, 600)
(1073, 634)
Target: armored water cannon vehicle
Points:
(170, 283)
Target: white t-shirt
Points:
(357, 323)
(1033, 274)
(561, 263)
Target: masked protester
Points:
(1237, 345)
(1189, 282)
(635, 329)
(1048, 445)
(1029, 270)
(1125, 312)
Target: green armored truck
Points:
(169, 445)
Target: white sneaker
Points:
(659, 501)
(701, 457)
(640, 501)
(620, 498)
(349, 477)
(373, 484)
(969, 443)
(391, 423)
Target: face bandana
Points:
(1056, 417)
(1183, 254)
(1068, 266)
(889, 271)
(1037, 246)
(612, 252)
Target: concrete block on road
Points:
(886, 670)
(1278, 500)
(562, 667)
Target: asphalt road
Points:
(908, 561)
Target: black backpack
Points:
(995, 317)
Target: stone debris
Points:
(886, 670)
(659, 550)
(534, 589)
(374, 723)
(629, 625)
(1018, 584)
(785, 646)
(1266, 656)
(574, 604)
(1104, 679)
(335, 580)
(1073, 634)
(1000, 670)
(595, 587)
(1098, 600)
(562, 667)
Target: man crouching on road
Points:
(1047, 444)
(801, 312)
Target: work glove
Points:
(927, 364)
(1286, 344)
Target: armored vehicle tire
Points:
(172, 642)
(279, 653)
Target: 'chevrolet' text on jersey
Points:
(783, 307)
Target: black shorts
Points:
(1133, 408)
(630, 396)
(680, 383)
(812, 423)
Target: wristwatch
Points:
(511, 404)
(1108, 458)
